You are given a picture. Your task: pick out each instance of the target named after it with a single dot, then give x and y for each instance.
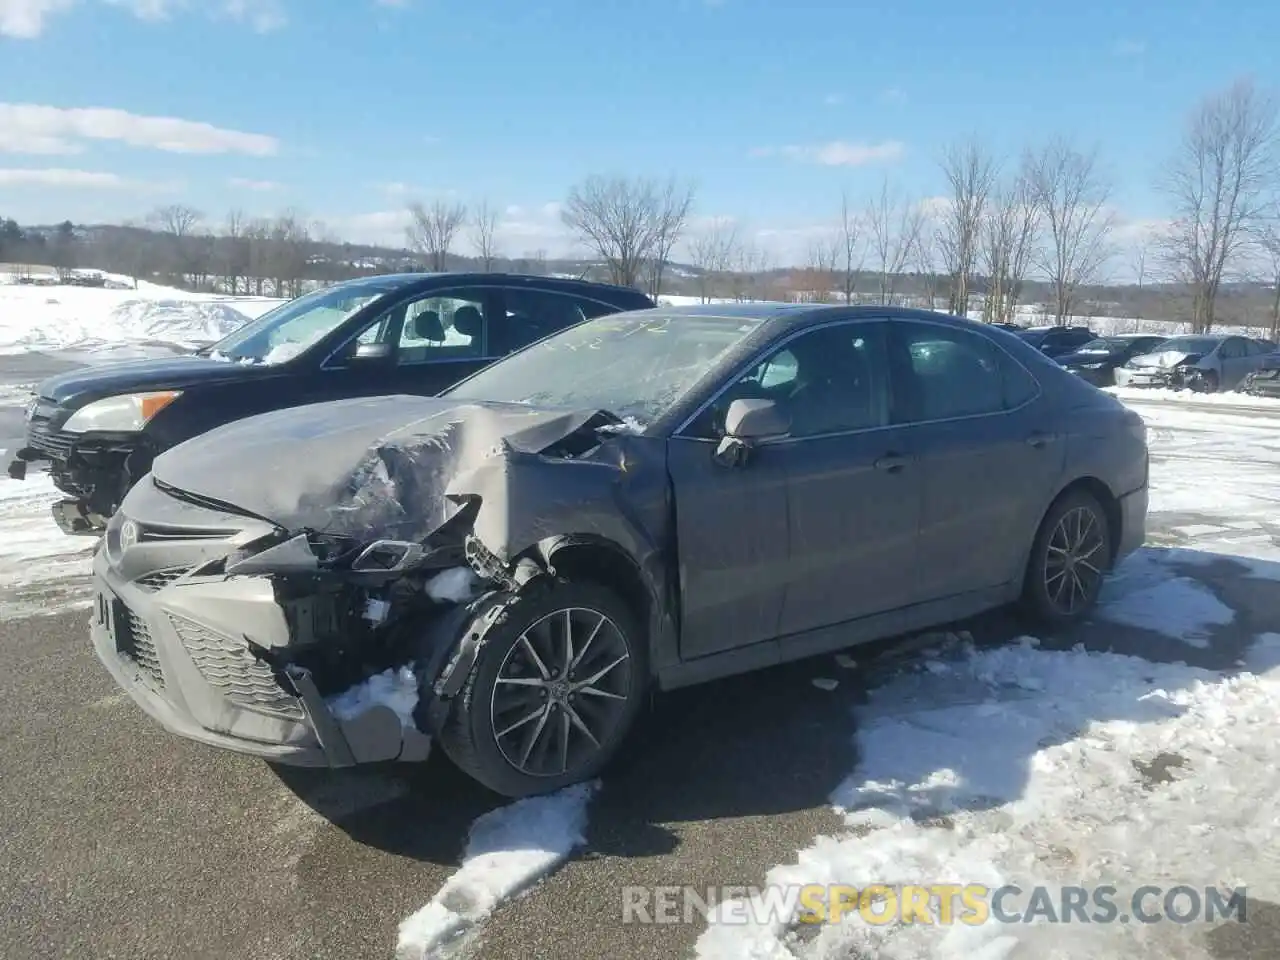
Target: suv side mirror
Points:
(746, 423)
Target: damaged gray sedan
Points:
(644, 501)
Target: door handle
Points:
(1040, 440)
(891, 463)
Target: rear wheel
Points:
(554, 691)
(1069, 560)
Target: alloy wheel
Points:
(1074, 560)
(561, 692)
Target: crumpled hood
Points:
(1164, 360)
(362, 467)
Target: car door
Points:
(987, 449)
(530, 314)
(815, 528)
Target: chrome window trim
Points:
(759, 358)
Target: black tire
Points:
(1049, 580)
(470, 734)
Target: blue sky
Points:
(346, 109)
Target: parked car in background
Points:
(100, 428)
(647, 500)
(1056, 341)
(1265, 381)
(1202, 362)
(1098, 359)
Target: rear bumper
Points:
(180, 653)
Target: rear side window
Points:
(953, 373)
(534, 314)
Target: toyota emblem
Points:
(128, 534)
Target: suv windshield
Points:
(283, 333)
(633, 366)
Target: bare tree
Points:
(432, 230)
(895, 223)
(820, 271)
(713, 252)
(925, 261)
(179, 225)
(1071, 192)
(627, 223)
(1008, 238)
(674, 203)
(971, 174)
(853, 248)
(235, 258)
(484, 226)
(1219, 182)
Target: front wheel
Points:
(1208, 382)
(554, 690)
(1069, 558)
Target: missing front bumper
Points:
(206, 685)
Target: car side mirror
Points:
(372, 353)
(746, 423)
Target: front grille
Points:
(54, 444)
(159, 579)
(227, 664)
(134, 643)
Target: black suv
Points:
(100, 427)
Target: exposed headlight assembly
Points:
(127, 413)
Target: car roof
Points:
(780, 315)
(428, 280)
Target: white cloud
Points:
(521, 230)
(74, 179)
(261, 15)
(258, 186)
(838, 153)
(31, 128)
(25, 19)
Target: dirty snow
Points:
(508, 850)
(88, 318)
(978, 776)
(397, 689)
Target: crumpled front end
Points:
(329, 643)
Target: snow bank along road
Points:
(1139, 749)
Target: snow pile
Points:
(509, 848)
(1027, 767)
(1229, 399)
(397, 689)
(1145, 593)
(59, 317)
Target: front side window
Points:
(1232, 349)
(442, 327)
(828, 381)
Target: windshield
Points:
(283, 333)
(633, 366)
(1186, 345)
(1106, 345)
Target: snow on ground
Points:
(84, 318)
(509, 848)
(1164, 395)
(1029, 767)
(42, 569)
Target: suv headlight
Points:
(127, 413)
